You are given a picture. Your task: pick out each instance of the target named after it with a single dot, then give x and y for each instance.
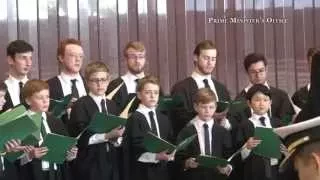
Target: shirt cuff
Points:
(245, 153)
(148, 157)
(97, 138)
(25, 159)
(226, 124)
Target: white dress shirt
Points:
(149, 157)
(100, 137)
(198, 124)
(199, 80)
(14, 88)
(130, 81)
(45, 164)
(257, 123)
(66, 84)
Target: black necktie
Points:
(262, 121)
(206, 83)
(206, 139)
(43, 129)
(74, 90)
(20, 95)
(153, 123)
(103, 106)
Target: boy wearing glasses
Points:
(97, 155)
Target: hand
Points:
(14, 145)
(284, 150)
(38, 152)
(252, 143)
(72, 153)
(225, 170)
(115, 133)
(28, 149)
(162, 156)
(220, 116)
(191, 163)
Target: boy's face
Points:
(308, 169)
(149, 95)
(257, 73)
(2, 99)
(21, 63)
(136, 60)
(206, 61)
(98, 83)
(39, 101)
(73, 58)
(205, 111)
(260, 103)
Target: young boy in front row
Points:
(212, 140)
(97, 157)
(36, 94)
(146, 165)
(257, 167)
(8, 170)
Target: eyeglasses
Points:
(98, 80)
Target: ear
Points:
(195, 59)
(195, 107)
(316, 160)
(60, 59)
(10, 60)
(249, 103)
(27, 101)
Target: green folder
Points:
(270, 143)
(231, 106)
(59, 107)
(155, 144)
(167, 103)
(57, 145)
(211, 161)
(12, 114)
(102, 123)
(19, 128)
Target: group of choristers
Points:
(120, 154)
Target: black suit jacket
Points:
(281, 105)
(300, 97)
(94, 162)
(33, 169)
(136, 128)
(187, 88)
(221, 147)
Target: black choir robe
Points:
(187, 88)
(56, 92)
(253, 167)
(93, 162)
(122, 97)
(300, 97)
(221, 147)
(281, 105)
(136, 128)
(33, 170)
(12, 170)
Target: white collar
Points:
(308, 86)
(145, 110)
(196, 121)
(250, 85)
(67, 78)
(133, 77)
(15, 80)
(97, 98)
(196, 75)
